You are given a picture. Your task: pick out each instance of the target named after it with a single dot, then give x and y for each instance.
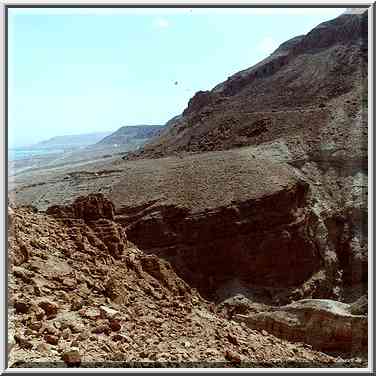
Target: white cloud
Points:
(162, 23)
(267, 45)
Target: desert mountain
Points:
(136, 134)
(297, 93)
(306, 105)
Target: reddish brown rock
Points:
(72, 358)
(101, 329)
(50, 308)
(250, 223)
(115, 325)
(51, 339)
(21, 307)
(88, 208)
(232, 356)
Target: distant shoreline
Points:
(18, 154)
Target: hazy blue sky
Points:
(79, 71)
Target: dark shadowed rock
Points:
(219, 216)
(50, 308)
(21, 306)
(51, 339)
(101, 329)
(115, 325)
(71, 358)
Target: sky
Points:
(74, 71)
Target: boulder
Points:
(51, 339)
(21, 306)
(115, 325)
(50, 308)
(325, 324)
(72, 358)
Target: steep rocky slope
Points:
(280, 217)
(74, 301)
(296, 93)
(211, 214)
(306, 104)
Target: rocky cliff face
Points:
(229, 221)
(306, 105)
(72, 304)
(258, 241)
(217, 214)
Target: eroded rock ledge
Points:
(90, 222)
(225, 216)
(325, 324)
(229, 222)
(259, 241)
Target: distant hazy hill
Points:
(72, 140)
(136, 134)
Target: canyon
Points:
(227, 239)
